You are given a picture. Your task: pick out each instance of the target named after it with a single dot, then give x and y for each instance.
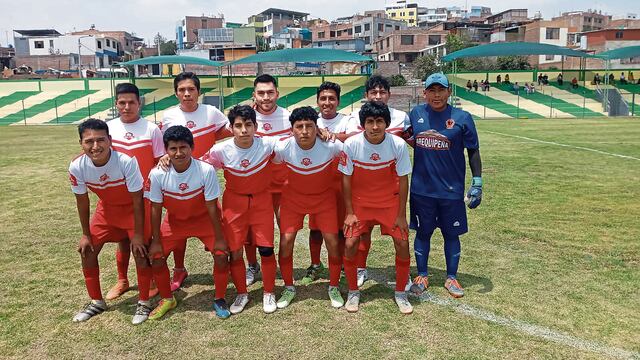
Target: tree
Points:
(426, 65)
(513, 62)
(166, 47)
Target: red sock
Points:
(402, 272)
(268, 273)
(363, 252)
(239, 276)
(250, 252)
(145, 274)
(122, 263)
(161, 276)
(315, 246)
(178, 256)
(335, 266)
(220, 280)
(351, 273)
(92, 281)
(286, 269)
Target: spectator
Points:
(612, 79)
(574, 83)
(516, 87)
(475, 85)
(540, 79)
(596, 79)
(506, 79)
(469, 85)
(532, 88)
(499, 79)
(623, 81)
(631, 79)
(487, 86)
(545, 79)
(560, 80)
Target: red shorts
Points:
(369, 217)
(116, 223)
(247, 214)
(278, 179)
(174, 232)
(323, 215)
(340, 212)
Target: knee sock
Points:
(239, 275)
(351, 273)
(92, 281)
(363, 252)
(220, 280)
(161, 276)
(122, 263)
(315, 247)
(144, 282)
(268, 273)
(421, 247)
(402, 272)
(250, 253)
(286, 269)
(178, 256)
(335, 266)
(452, 253)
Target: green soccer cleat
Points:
(313, 274)
(335, 297)
(287, 297)
(163, 307)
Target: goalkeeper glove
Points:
(474, 195)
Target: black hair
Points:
(377, 81)
(92, 124)
(178, 133)
(303, 113)
(328, 85)
(187, 75)
(265, 78)
(127, 88)
(375, 109)
(245, 112)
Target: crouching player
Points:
(375, 185)
(115, 178)
(309, 190)
(189, 190)
(247, 205)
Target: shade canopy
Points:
(513, 48)
(302, 55)
(171, 59)
(621, 53)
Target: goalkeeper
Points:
(439, 134)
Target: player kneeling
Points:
(115, 178)
(189, 190)
(375, 185)
(309, 190)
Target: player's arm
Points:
(83, 204)
(350, 219)
(401, 219)
(221, 243)
(156, 218)
(223, 133)
(137, 243)
(474, 195)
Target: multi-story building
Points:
(187, 29)
(400, 10)
(225, 44)
(580, 21)
(277, 19)
(407, 45)
(127, 43)
(291, 38)
(369, 27)
(546, 32)
(428, 17)
(509, 16)
(353, 45)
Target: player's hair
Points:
(328, 85)
(377, 81)
(244, 112)
(92, 124)
(265, 79)
(303, 113)
(127, 88)
(375, 109)
(178, 133)
(187, 75)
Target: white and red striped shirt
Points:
(203, 123)
(140, 139)
(398, 120)
(338, 125)
(275, 124)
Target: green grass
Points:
(580, 90)
(554, 244)
(553, 102)
(45, 106)
(495, 104)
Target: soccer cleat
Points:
(353, 301)
(313, 274)
(95, 307)
(221, 309)
(287, 297)
(252, 271)
(453, 286)
(179, 275)
(238, 305)
(269, 303)
(142, 313)
(163, 307)
(121, 287)
(403, 302)
(363, 275)
(335, 297)
(153, 290)
(409, 283)
(420, 285)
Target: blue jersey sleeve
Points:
(469, 133)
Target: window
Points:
(350, 32)
(397, 27)
(402, 13)
(434, 39)
(319, 44)
(321, 35)
(410, 21)
(393, 14)
(388, 41)
(619, 34)
(358, 29)
(380, 27)
(204, 23)
(549, 57)
(406, 39)
(381, 45)
(367, 40)
(332, 34)
(38, 44)
(410, 13)
(99, 44)
(553, 34)
(108, 43)
(339, 33)
(50, 43)
(367, 27)
(389, 26)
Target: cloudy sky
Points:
(148, 17)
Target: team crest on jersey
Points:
(343, 158)
(128, 136)
(73, 180)
(267, 126)
(244, 163)
(306, 162)
(104, 177)
(183, 186)
(450, 123)
(375, 157)
(191, 124)
(433, 140)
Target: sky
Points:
(146, 18)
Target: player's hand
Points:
(350, 221)
(326, 135)
(220, 246)
(155, 248)
(164, 162)
(85, 245)
(406, 134)
(474, 195)
(137, 247)
(401, 224)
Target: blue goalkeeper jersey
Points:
(438, 160)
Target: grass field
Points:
(551, 265)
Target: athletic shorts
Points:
(369, 217)
(340, 212)
(428, 213)
(174, 232)
(116, 223)
(247, 214)
(278, 178)
(323, 216)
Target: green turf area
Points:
(238, 97)
(45, 106)
(150, 109)
(551, 265)
(580, 90)
(553, 102)
(16, 96)
(351, 98)
(497, 105)
(632, 88)
(296, 96)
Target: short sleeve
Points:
(469, 133)
(211, 184)
(213, 157)
(403, 163)
(78, 185)
(345, 164)
(217, 118)
(132, 175)
(353, 126)
(279, 151)
(153, 186)
(157, 142)
(336, 148)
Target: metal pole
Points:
(485, 110)
(24, 114)
(89, 106)
(56, 104)
(551, 109)
(155, 114)
(518, 107)
(584, 104)
(633, 104)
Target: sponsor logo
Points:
(375, 157)
(73, 180)
(306, 162)
(449, 123)
(191, 124)
(433, 140)
(104, 177)
(183, 186)
(421, 121)
(343, 158)
(128, 136)
(244, 163)
(267, 127)
(457, 223)
(147, 185)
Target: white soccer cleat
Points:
(353, 301)
(363, 275)
(142, 313)
(239, 303)
(252, 272)
(403, 302)
(95, 307)
(269, 303)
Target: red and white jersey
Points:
(183, 194)
(141, 139)
(310, 171)
(246, 171)
(275, 124)
(112, 182)
(338, 125)
(374, 168)
(203, 123)
(398, 120)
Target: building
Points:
(476, 33)
(428, 17)
(225, 44)
(6, 57)
(509, 16)
(402, 11)
(187, 29)
(580, 21)
(369, 28)
(546, 32)
(274, 20)
(353, 45)
(291, 38)
(482, 12)
(127, 43)
(407, 45)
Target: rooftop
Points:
(38, 32)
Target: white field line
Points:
(564, 145)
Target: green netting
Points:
(513, 48)
(302, 55)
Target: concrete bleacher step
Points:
(43, 106)
(555, 103)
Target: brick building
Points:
(407, 45)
